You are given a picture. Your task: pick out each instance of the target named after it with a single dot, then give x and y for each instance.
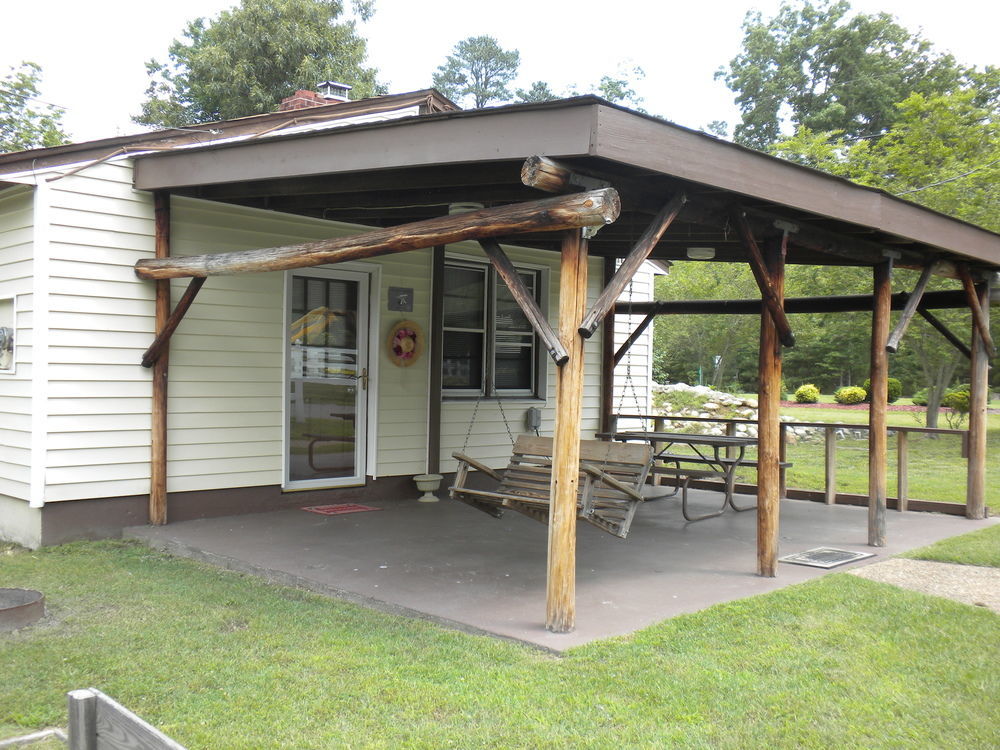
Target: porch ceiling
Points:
(407, 170)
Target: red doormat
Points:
(334, 510)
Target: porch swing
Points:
(609, 488)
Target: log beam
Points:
(560, 600)
(162, 340)
(941, 328)
(975, 495)
(525, 300)
(543, 173)
(892, 345)
(157, 511)
(878, 406)
(793, 305)
(979, 319)
(762, 275)
(623, 349)
(631, 264)
(769, 435)
(595, 208)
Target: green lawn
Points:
(977, 548)
(937, 470)
(218, 660)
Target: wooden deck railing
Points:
(829, 495)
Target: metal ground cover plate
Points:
(825, 557)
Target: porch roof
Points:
(392, 172)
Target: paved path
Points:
(963, 583)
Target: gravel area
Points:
(963, 583)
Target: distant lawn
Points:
(218, 660)
(976, 548)
(937, 470)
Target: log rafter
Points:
(594, 208)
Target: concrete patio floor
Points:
(451, 564)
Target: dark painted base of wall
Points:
(104, 518)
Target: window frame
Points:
(489, 333)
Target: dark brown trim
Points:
(104, 518)
(436, 361)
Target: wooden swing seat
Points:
(610, 486)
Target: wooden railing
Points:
(829, 495)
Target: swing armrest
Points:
(477, 465)
(609, 480)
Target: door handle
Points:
(364, 379)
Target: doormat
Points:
(336, 510)
(825, 557)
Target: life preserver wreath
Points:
(405, 343)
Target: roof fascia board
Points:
(564, 132)
(643, 142)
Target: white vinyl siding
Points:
(15, 386)
(100, 321)
(226, 358)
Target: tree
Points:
(539, 92)
(943, 152)
(480, 68)
(834, 72)
(22, 125)
(252, 56)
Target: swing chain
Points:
(506, 424)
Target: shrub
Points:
(850, 394)
(959, 402)
(920, 397)
(895, 390)
(807, 394)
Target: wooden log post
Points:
(975, 495)
(560, 614)
(596, 208)
(608, 358)
(157, 511)
(768, 413)
(830, 465)
(878, 406)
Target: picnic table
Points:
(721, 454)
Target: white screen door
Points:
(327, 378)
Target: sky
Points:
(92, 52)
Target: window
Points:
(490, 348)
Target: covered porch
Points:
(656, 186)
(462, 569)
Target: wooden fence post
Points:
(902, 469)
(82, 709)
(830, 464)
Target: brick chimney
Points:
(330, 92)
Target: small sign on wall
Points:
(401, 298)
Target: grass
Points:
(218, 660)
(977, 548)
(937, 470)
